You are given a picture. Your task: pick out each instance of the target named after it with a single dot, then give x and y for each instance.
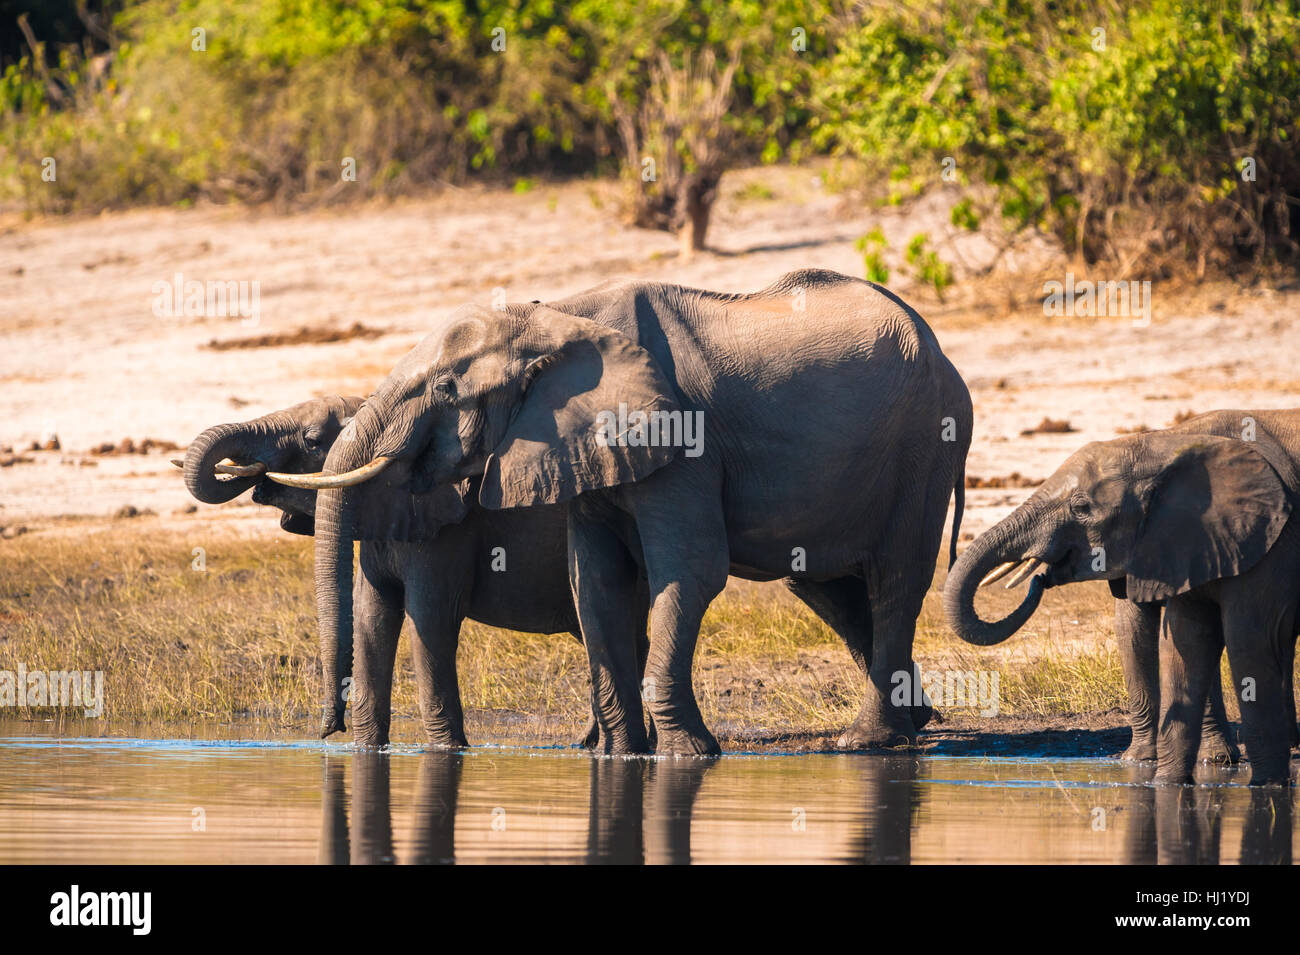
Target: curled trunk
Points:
(239, 442)
(998, 545)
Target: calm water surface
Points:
(83, 800)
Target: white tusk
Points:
(321, 481)
(1031, 568)
(998, 572)
(178, 463)
(240, 470)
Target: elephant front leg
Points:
(433, 655)
(1189, 645)
(378, 616)
(603, 579)
(1137, 634)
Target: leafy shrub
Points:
(1126, 145)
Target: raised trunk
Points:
(998, 545)
(240, 442)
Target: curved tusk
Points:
(240, 470)
(1030, 568)
(998, 572)
(178, 463)
(321, 481)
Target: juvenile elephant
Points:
(813, 431)
(1190, 518)
(505, 568)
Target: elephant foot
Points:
(682, 742)
(443, 738)
(1139, 751)
(331, 721)
(874, 734)
(1217, 751)
(590, 737)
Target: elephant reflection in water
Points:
(891, 803)
(1182, 825)
(640, 812)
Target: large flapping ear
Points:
(595, 411)
(1213, 511)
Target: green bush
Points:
(414, 92)
(1126, 146)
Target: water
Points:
(83, 800)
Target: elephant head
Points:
(297, 439)
(514, 400)
(1156, 514)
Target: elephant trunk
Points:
(240, 442)
(998, 545)
(334, 603)
(335, 532)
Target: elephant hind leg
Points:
(845, 606)
(1267, 721)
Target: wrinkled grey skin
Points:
(438, 578)
(1197, 521)
(835, 431)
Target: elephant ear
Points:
(583, 385)
(388, 511)
(1214, 511)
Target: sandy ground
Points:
(85, 356)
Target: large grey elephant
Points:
(813, 430)
(1190, 518)
(502, 568)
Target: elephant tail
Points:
(959, 490)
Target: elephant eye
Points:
(1081, 507)
(312, 439)
(445, 388)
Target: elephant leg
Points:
(879, 721)
(643, 654)
(433, 654)
(684, 547)
(377, 616)
(1253, 641)
(591, 735)
(1189, 645)
(1217, 744)
(845, 606)
(1137, 634)
(603, 578)
(434, 605)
